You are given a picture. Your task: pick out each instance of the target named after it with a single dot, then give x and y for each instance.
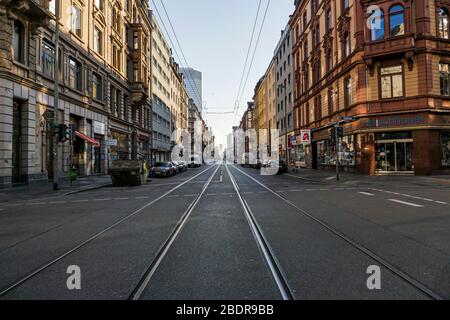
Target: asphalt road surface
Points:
(226, 232)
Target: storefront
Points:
(406, 144)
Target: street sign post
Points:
(305, 136)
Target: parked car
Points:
(178, 167)
(163, 169)
(184, 166)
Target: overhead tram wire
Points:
(181, 49)
(247, 56)
(253, 56)
(174, 48)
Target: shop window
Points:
(376, 20)
(19, 41)
(48, 59)
(396, 21)
(443, 27)
(391, 82)
(445, 144)
(444, 78)
(347, 152)
(75, 74)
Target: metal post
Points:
(338, 147)
(56, 97)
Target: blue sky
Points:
(215, 35)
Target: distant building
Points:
(193, 82)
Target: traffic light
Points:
(63, 133)
(340, 132)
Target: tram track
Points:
(419, 286)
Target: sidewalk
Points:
(328, 176)
(45, 189)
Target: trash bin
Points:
(73, 175)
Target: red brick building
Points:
(386, 63)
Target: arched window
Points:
(19, 41)
(443, 23)
(377, 25)
(396, 20)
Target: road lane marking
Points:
(406, 203)
(366, 194)
(14, 205)
(79, 201)
(36, 204)
(441, 202)
(138, 198)
(57, 202)
(411, 196)
(99, 200)
(119, 199)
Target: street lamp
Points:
(283, 87)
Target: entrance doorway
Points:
(17, 143)
(394, 156)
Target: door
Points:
(17, 143)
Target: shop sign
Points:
(99, 128)
(393, 122)
(305, 136)
(111, 143)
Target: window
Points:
(317, 108)
(330, 101)
(135, 40)
(75, 23)
(444, 69)
(346, 45)
(48, 59)
(376, 21)
(391, 82)
(305, 51)
(117, 57)
(305, 20)
(98, 4)
(345, 4)
(52, 6)
(445, 145)
(329, 59)
(316, 72)
(97, 87)
(348, 92)
(316, 37)
(328, 20)
(19, 41)
(98, 40)
(443, 27)
(314, 6)
(74, 74)
(135, 72)
(396, 21)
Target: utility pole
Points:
(56, 98)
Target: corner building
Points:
(394, 79)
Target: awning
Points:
(87, 139)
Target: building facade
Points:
(193, 82)
(104, 86)
(284, 94)
(387, 69)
